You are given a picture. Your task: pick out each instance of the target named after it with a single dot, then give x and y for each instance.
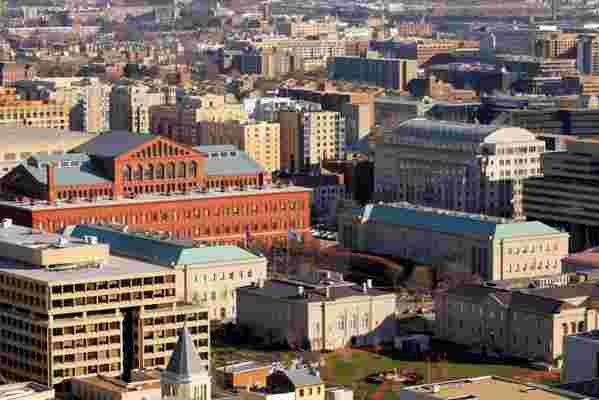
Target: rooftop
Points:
(42, 205)
(24, 391)
(225, 160)
(303, 291)
(490, 387)
(167, 253)
(440, 220)
(241, 367)
(12, 137)
(111, 268)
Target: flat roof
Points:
(42, 205)
(23, 390)
(36, 239)
(112, 268)
(491, 387)
(36, 136)
(241, 367)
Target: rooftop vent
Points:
(6, 223)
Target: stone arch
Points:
(170, 170)
(126, 173)
(182, 170)
(149, 172)
(138, 173)
(159, 174)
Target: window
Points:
(341, 323)
(565, 329)
(581, 326)
(250, 274)
(301, 392)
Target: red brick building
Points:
(216, 195)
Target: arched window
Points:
(149, 172)
(127, 173)
(160, 171)
(170, 170)
(193, 169)
(182, 172)
(138, 173)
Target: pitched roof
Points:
(451, 222)
(185, 362)
(159, 251)
(303, 377)
(113, 144)
(512, 299)
(228, 165)
(84, 174)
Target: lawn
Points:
(352, 367)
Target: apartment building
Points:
(309, 136)
(19, 144)
(12, 72)
(133, 102)
(389, 73)
(69, 308)
(530, 324)
(16, 113)
(313, 53)
(421, 50)
(457, 166)
(206, 275)
(325, 313)
(493, 248)
(296, 27)
(547, 44)
(564, 196)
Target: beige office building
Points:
(69, 309)
(493, 248)
(19, 144)
(530, 324)
(567, 194)
(317, 314)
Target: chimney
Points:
(50, 182)
(369, 283)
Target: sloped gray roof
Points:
(303, 377)
(240, 164)
(85, 174)
(185, 362)
(113, 144)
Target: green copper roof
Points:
(159, 251)
(453, 222)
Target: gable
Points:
(159, 148)
(20, 176)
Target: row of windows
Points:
(114, 298)
(533, 248)
(222, 276)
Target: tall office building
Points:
(68, 308)
(457, 166)
(565, 196)
(587, 55)
(131, 105)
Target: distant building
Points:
(327, 190)
(587, 57)
(549, 44)
(384, 72)
(297, 28)
(312, 314)
(133, 102)
(17, 113)
(455, 242)
(20, 144)
(13, 72)
(483, 172)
